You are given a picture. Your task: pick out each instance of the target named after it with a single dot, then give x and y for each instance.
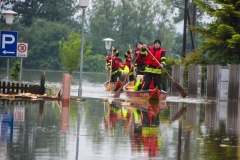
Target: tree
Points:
(102, 23)
(130, 21)
(94, 63)
(222, 34)
(42, 38)
(15, 70)
(57, 10)
(70, 52)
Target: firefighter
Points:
(140, 62)
(153, 64)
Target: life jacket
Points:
(115, 63)
(157, 53)
(128, 61)
(108, 58)
(140, 60)
(124, 69)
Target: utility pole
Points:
(184, 29)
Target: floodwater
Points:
(105, 128)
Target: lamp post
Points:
(9, 20)
(108, 42)
(83, 4)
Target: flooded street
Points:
(103, 128)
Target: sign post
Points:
(8, 46)
(9, 43)
(22, 49)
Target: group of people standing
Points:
(144, 60)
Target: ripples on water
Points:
(97, 129)
(84, 130)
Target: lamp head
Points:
(83, 3)
(9, 16)
(108, 42)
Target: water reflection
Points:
(119, 129)
(78, 129)
(141, 120)
(65, 116)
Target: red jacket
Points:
(115, 63)
(158, 54)
(140, 60)
(128, 61)
(108, 58)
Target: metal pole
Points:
(8, 61)
(7, 69)
(107, 69)
(78, 129)
(20, 78)
(81, 57)
(184, 30)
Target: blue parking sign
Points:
(8, 41)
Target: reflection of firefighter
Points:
(146, 134)
(114, 114)
(151, 140)
(137, 130)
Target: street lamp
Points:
(9, 20)
(83, 4)
(108, 42)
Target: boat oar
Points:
(179, 88)
(119, 91)
(177, 116)
(110, 74)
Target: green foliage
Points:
(221, 36)
(70, 51)
(170, 61)
(48, 90)
(235, 40)
(56, 11)
(42, 38)
(15, 70)
(42, 24)
(94, 63)
(130, 21)
(194, 58)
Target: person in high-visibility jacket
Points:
(115, 51)
(128, 60)
(140, 61)
(108, 61)
(155, 61)
(124, 69)
(114, 66)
